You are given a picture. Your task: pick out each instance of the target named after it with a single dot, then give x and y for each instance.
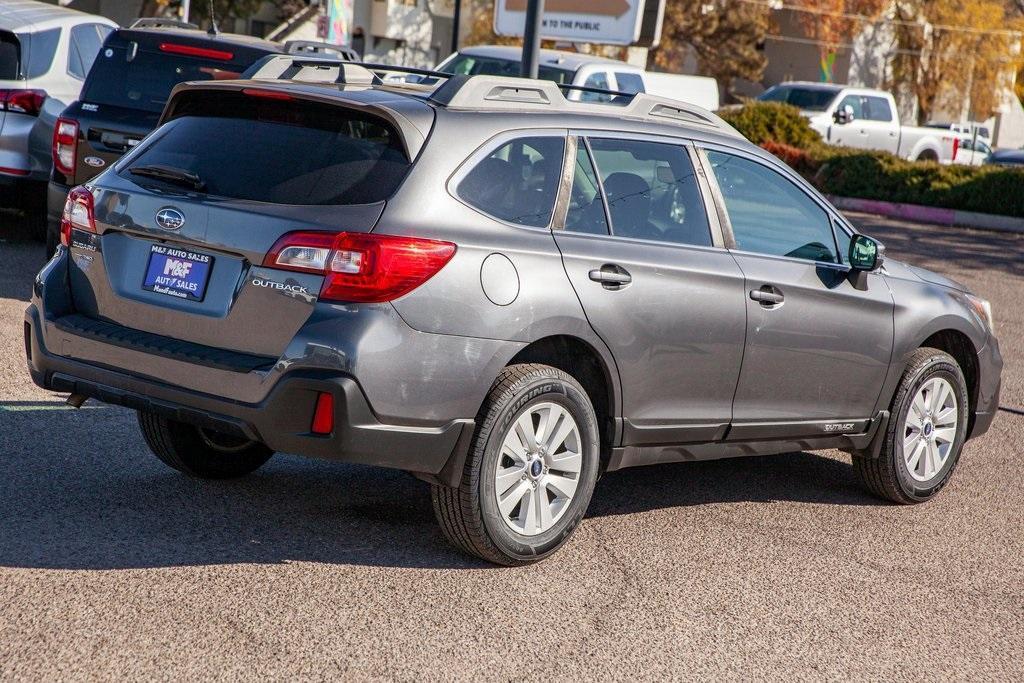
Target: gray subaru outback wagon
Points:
(501, 291)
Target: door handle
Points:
(767, 296)
(611, 276)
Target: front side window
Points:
(599, 80)
(517, 182)
(770, 214)
(652, 191)
(854, 102)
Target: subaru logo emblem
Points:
(170, 219)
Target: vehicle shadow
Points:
(80, 490)
(22, 259)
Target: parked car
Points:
(500, 290)
(863, 118)
(969, 130)
(45, 53)
(573, 68)
(125, 91)
(1007, 157)
(972, 152)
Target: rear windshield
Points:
(277, 151)
(811, 99)
(145, 80)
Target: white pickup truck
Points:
(864, 118)
(573, 68)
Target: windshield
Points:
(473, 65)
(810, 99)
(145, 81)
(308, 153)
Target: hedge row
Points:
(846, 172)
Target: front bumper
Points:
(282, 420)
(990, 367)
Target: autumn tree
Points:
(725, 37)
(952, 51)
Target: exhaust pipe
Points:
(76, 400)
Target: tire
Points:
(201, 453)
(890, 475)
(470, 515)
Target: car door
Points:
(819, 338)
(655, 282)
(880, 122)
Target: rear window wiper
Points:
(170, 174)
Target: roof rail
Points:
(313, 47)
(310, 70)
(503, 93)
(328, 70)
(162, 22)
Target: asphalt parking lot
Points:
(112, 565)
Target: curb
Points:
(931, 214)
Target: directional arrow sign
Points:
(608, 8)
(616, 22)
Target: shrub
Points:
(762, 122)
(798, 159)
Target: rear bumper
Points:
(281, 420)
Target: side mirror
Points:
(843, 115)
(866, 254)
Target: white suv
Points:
(45, 54)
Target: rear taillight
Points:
(79, 214)
(65, 145)
(22, 101)
(364, 268)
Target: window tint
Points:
(596, 80)
(86, 40)
(652, 191)
(855, 102)
(41, 48)
(517, 182)
(629, 82)
(878, 109)
(9, 56)
(586, 208)
(309, 154)
(145, 81)
(843, 240)
(769, 214)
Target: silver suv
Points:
(45, 53)
(501, 291)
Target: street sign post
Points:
(615, 22)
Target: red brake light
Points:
(359, 267)
(22, 101)
(323, 415)
(267, 94)
(193, 51)
(65, 145)
(79, 214)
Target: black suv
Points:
(126, 90)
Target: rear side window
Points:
(38, 50)
(10, 56)
(769, 214)
(85, 43)
(517, 182)
(878, 109)
(652, 191)
(139, 77)
(280, 152)
(629, 82)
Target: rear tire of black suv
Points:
(901, 472)
(198, 452)
(530, 472)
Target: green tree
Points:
(725, 37)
